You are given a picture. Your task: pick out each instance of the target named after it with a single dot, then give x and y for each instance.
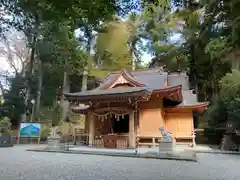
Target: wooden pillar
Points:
(132, 135)
(91, 132)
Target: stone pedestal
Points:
(6, 140)
(53, 143)
(165, 146)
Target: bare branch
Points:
(13, 47)
(2, 88)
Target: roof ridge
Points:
(126, 72)
(139, 70)
(131, 77)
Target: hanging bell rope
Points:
(111, 114)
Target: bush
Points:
(209, 136)
(45, 133)
(5, 125)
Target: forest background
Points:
(53, 46)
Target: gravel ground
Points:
(18, 164)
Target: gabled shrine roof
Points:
(189, 99)
(145, 82)
(109, 92)
(175, 79)
(152, 79)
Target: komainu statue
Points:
(166, 135)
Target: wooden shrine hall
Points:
(128, 108)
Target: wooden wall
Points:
(179, 124)
(152, 116)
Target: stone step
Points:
(54, 144)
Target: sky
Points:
(4, 65)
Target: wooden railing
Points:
(80, 135)
(147, 141)
(103, 141)
(153, 141)
(115, 141)
(118, 143)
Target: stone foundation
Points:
(53, 143)
(165, 146)
(6, 140)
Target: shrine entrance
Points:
(117, 135)
(121, 124)
(114, 126)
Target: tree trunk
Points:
(30, 69)
(32, 55)
(235, 56)
(214, 98)
(31, 63)
(65, 104)
(227, 143)
(192, 71)
(2, 89)
(84, 79)
(236, 64)
(197, 91)
(133, 59)
(39, 90)
(85, 72)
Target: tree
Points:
(13, 106)
(113, 53)
(198, 28)
(14, 49)
(161, 25)
(29, 18)
(5, 125)
(32, 17)
(225, 113)
(171, 57)
(229, 93)
(58, 50)
(136, 35)
(122, 42)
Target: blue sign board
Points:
(30, 129)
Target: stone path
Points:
(18, 164)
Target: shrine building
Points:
(128, 108)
